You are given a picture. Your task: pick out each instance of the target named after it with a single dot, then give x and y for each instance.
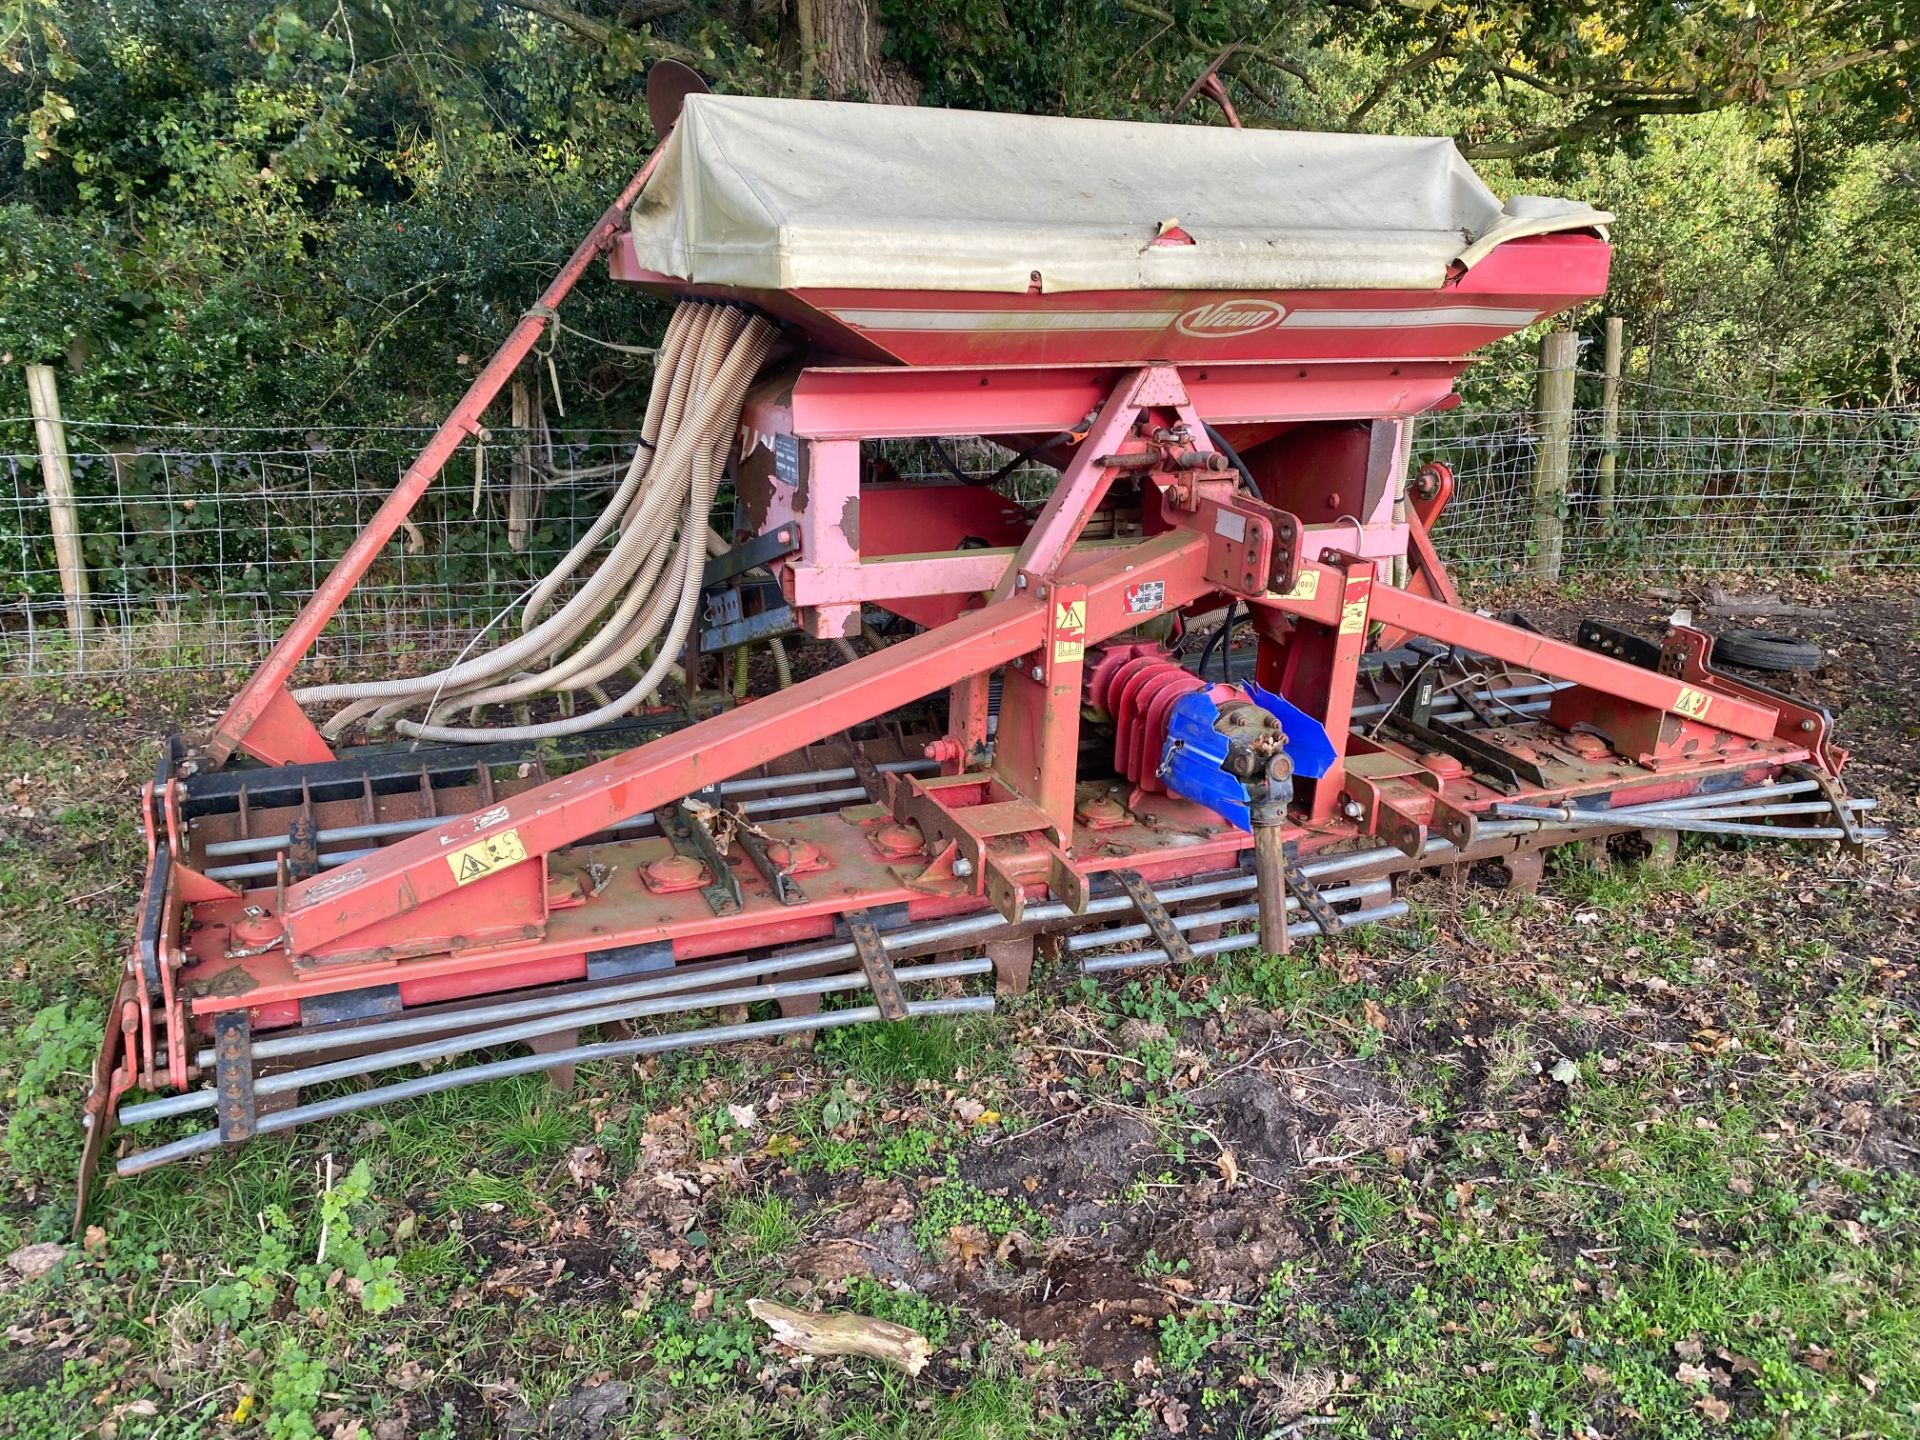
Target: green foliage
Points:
(953, 1203)
(293, 1394)
(342, 1249)
(313, 212)
(50, 1057)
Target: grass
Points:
(1633, 1157)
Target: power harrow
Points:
(1214, 344)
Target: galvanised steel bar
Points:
(445, 1080)
(1510, 692)
(1749, 812)
(1228, 944)
(1676, 820)
(1120, 934)
(695, 977)
(1775, 790)
(470, 1040)
(1731, 800)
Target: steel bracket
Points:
(233, 1073)
(781, 882)
(1310, 898)
(1830, 791)
(690, 836)
(1169, 935)
(873, 959)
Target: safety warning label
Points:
(483, 857)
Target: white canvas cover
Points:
(792, 194)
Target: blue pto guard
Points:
(1194, 760)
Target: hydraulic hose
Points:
(643, 596)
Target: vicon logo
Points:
(1224, 319)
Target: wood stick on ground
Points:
(845, 1334)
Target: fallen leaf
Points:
(1174, 1416)
(1376, 1017)
(1715, 1410)
(1229, 1167)
(667, 1261)
(1691, 1374)
(743, 1116)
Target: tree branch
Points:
(1393, 77)
(605, 33)
(1626, 108)
(600, 32)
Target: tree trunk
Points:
(842, 50)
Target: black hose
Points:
(1223, 634)
(1220, 444)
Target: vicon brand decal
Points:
(1223, 319)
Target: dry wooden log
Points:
(1719, 602)
(845, 1334)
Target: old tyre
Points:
(1766, 650)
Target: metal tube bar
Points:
(1093, 939)
(1748, 812)
(1510, 692)
(688, 978)
(444, 1080)
(1718, 799)
(1227, 944)
(1665, 820)
(354, 1066)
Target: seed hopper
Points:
(1214, 344)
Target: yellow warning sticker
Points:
(1691, 702)
(1353, 617)
(1070, 631)
(483, 857)
(1305, 586)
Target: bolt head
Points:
(1039, 674)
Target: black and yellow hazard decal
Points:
(483, 857)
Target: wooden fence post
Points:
(43, 396)
(520, 501)
(1609, 422)
(1553, 401)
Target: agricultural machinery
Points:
(1211, 346)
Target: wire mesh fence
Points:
(1695, 489)
(198, 547)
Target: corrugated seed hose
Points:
(645, 592)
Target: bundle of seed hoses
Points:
(644, 595)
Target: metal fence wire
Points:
(199, 546)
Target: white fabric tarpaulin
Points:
(806, 194)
